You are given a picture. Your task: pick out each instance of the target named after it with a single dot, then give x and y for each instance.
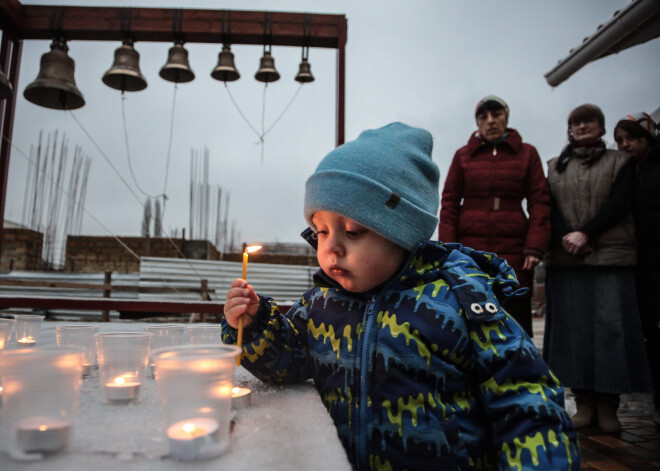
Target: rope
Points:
(128, 152)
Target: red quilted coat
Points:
(481, 201)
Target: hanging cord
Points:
(128, 152)
(284, 111)
(241, 112)
(105, 157)
(263, 117)
(169, 150)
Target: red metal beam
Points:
(42, 302)
(132, 305)
(156, 24)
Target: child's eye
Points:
(354, 233)
(320, 233)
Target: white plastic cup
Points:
(10, 327)
(41, 389)
(203, 334)
(28, 329)
(122, 358)
(164, 336)
(195, 387)
(78, 335)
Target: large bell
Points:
(125, 73)
(177, 69)
(54, 86)
(225, 70)
(305, 72)
(267, 72)
(5, 86)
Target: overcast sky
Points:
(426, 63)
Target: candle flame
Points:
(25, 339)
(1, 389)
(120, 380)
(188, 428)
(252, 248)
(236, 390)
(43, 428)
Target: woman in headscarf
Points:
(482, 200)
(593, 339)
(637, 135)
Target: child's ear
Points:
(310, 236)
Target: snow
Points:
(286, 427)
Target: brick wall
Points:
(21, 249)
(94, 254)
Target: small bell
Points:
(177, 69)
(305, 72)
(55, 86)
(225, 70)
(267, 72)
(125, 72)
(5, 87)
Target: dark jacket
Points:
(482, 196)
(647, 210)
(425, 372)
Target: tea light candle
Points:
(26, 342)
(240, 398)
(122, 390)
(86, 369)
(42, 434)
(191, 439)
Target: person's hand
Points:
(530, 262)
(575, 243)
(241, 299)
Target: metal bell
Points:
(267, 72)
(225, 70)
(177, 69)
(55, 86)
(125, 72)
(305, 72)
(5, 87)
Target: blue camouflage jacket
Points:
(425, 372)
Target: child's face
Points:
(355, 257)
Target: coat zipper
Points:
(368, 322)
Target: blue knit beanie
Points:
(384, 180)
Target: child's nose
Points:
(334, 244)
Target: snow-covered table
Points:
(286, 427)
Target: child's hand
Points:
(241, 299)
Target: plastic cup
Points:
(10, 327)
(205, 334)
(41, 389)
(122, 358)
(4, 327)
(28, 329)
(82, 336)
(195, 387)
(164, 336)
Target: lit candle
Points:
(240, 398)
(239, 335)
(26, 342)
(42, 434)
(122, 390)
(194, 439)
(86, 369)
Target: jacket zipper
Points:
(368, 322)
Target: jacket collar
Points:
(512, 140)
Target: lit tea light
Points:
(86, 369)
(26, 342)
(42, 435)
(122, 390)
(194, 439)
(241, 398)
